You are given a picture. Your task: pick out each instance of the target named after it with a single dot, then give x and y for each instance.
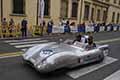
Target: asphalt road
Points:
(14, 69)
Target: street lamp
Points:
(1, 10)
(37, 12)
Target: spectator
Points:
(4, 26)
(112, 27)
(24, 27)
(63, 22)
(83, 27)
(50, 26)
(11, 26)
(105, 26)
(42, 27)
(67, 27)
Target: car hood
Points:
(56, 48)
(35, 50)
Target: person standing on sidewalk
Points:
(42, 27)
(50, 26)
(4, 27)
(24, 27)
(11, 27)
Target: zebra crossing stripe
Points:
(9, 41)
(20, 43)
(24, 46)
(114, 76)
(31, 45)
(24, 49)
(80, 72)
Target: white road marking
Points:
(21, 40)
(24, 46)
(31, 45)
(114, 76)
(20, 43)
(80, 72)
(107, 41)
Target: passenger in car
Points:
(90, 45)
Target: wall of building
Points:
(55, 10)
(0, 11)
(97, 6)
(114, 7)
(110, 12)
(30, 11)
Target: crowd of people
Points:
(64, 22)
(10, 27)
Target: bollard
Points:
(36, 30)
(17, 30)
(30, 30)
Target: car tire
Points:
(101, 58)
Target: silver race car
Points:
(51, 56)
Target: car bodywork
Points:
(49, 57)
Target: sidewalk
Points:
(37, 36)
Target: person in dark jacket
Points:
(24, 27)
(67, 27)
(50, 26)
(78, 38)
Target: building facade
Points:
(0, 11)
(77, 11)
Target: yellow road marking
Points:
(14, 54)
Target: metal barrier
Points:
(38, 30)
(89, 29)
(15, 30)
(102, 28)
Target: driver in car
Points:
(80, 38)
(90, 45)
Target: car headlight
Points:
(45, 53)
(39, 66)
(43, 64)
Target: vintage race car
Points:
(51, 56)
